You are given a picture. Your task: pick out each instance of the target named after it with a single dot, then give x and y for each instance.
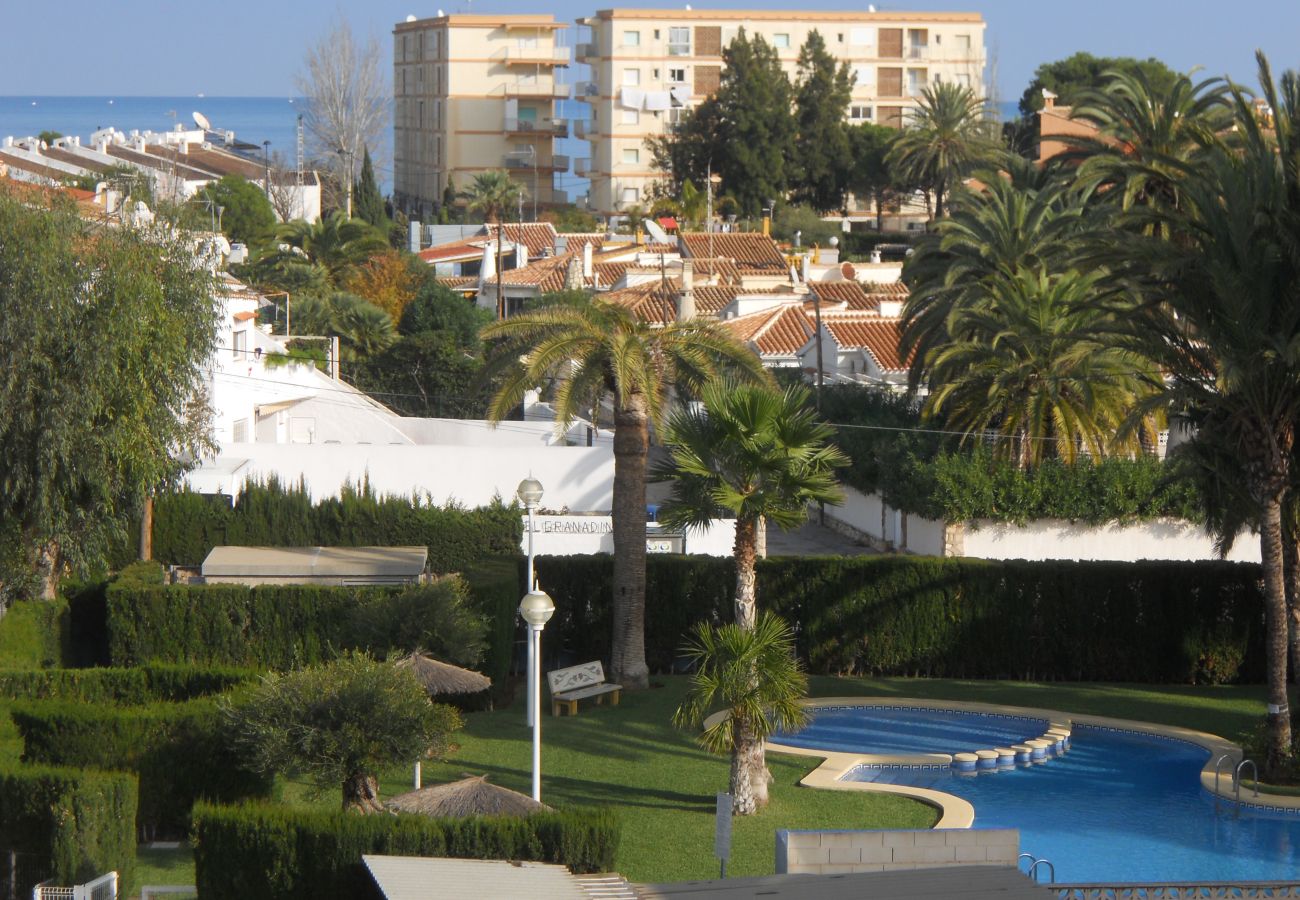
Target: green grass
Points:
(157, 866)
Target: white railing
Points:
(557, 91)
(102, 888)
(546, 55)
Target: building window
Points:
(631, 39)
(861, 37)
(675, 116)
(963, 42)
(654, 75)
(859, 113)
(656, 34)
(240, 344)
(629, 195)
(781, 41)
(240, 435)
(631, 117)
(679, 42)
(862, 77)
(963, 79)
(631, 157)
(631, 77)
(676, 76)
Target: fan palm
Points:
(492, 193)
(753, 675)
(755, 453)
(947, 137)
(337, 243)
(1040, 365)
(1232, 348)
(595, 350)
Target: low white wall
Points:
(572, 535)
(839, 852)
(868, 518)
(580, 479)
(1060, 539)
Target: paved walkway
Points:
(812, 539)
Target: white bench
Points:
(575, 683)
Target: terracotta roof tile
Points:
(751, 251)
(655, 302)
(536, 236)
(875, 335)
(782, 331)
(711, 299)
(575, 240)
(460, 282)
(887, 288)
(849, 293)
(453, 250)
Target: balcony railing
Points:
(585, 51)
(583, 129)
(582, 167)
(918, 51)
(551, 91)
(540, 56)
(558, 162)
(553, 128)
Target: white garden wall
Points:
(565, 535)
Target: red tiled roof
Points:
(886, 288)
(575, 240)
(654, 302)
(782, 331)
(609, 272)
(875, 335)
(453, 250)
(460, 282)
(652, 247)
(244, 316)
(536, 236)
(848, 293)
(711, 299)
(749, 250)
(159, 163)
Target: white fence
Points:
(102, 888)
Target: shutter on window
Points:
(889, 82)
(891, 43)
(891, 116)
(707, 79)
(708, 40)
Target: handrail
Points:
(1051, 877)
(1236, 777)
(1218, 763)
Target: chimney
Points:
(586, 260)
(803, 268)
(1049, 99)
(413, 236)
(488, 270)
(521, 256)
(686, 298)
(573, 274)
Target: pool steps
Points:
(1051, 743)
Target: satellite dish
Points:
(201, 121)
(410, 18)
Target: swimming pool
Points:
(902, 729)
(1119, 806)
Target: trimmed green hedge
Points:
(1153, 622)
(260, 852)
(188, 525)
(285, 626)
(82, 824)
(178, 750)
(134, 686)
(496, 587)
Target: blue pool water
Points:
(1119, 806)
(889, 729)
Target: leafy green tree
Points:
(49, 137)
(1042, 364)
(438, 308)
(492, 194)
(756, 453)
(597, 350)
(947, 137)
(336, 243)
(870, 177)
(752, 675)
(363, 328)
(104, 333)
(1222, 319)
(1069, 77)
(426, 374)
(246, 214)
(340, 724)
(823, 155)
(367, 202)
(757, 129)
(570, 219)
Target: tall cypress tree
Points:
(823, 156)
(367, 202)
(755, 130)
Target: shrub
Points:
(252, 852)
(133, 686)
(80, 824)
(178, 750)
(1181, 622)
(188, 525)
(495, 587)
(284, 626)
(32, 633)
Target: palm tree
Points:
(364, 328)
(752, 673)
(337, 243)
(492, 193)
(1025, 222)
(597, 350)
(755, 453)
(1230, 276)
(1039, 363)
(947, 137)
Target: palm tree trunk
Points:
(631, 446)
(746, 550)
(1291, 577)
(748, 772)
(1275, 637)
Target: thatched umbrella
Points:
(441, 678)
(471, 796)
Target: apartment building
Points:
(649, 66)
(475, 93)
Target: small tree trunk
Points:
(631, 445)
(745, 549)
(49, 563)
(146, 529)
(1275, 638)
(748, 773)
(760, 538)
(361, 793)
(1291, 576)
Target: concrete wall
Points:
(837, 852)
(1059, 539)
(566, 535)
(578, 478)
(867, 518)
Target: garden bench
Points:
(575, 683)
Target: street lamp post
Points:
(537, 609)
(530, 495)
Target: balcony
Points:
(533, 128)
(918, 51)
(524, 161)
(583, 52)
(539, 91)
(582, 167)
(584, 129)
(584, 89)
(535, 56)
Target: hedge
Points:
(178, 750)
(496, 586)
(264, 852)
(285, 626)
(188, 525)
(79, 824)
(1152, 622)
(133, 686)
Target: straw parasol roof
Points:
(443, 678)
(471, 796)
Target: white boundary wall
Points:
(571, 535)
(867, 518)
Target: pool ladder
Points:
(1034, 863)
(1236, 780)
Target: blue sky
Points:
(246, 48)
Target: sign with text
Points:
(722, 833)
